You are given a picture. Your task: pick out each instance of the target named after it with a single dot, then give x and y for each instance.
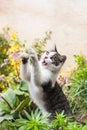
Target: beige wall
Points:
(67, 19)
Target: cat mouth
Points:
(44, 62)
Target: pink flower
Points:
(4, 63)
(15, 55)
(61, 80)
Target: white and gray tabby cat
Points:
(41, 76)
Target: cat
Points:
(41, 76)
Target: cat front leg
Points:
(33, 57)
(24, 71)
(35, 65)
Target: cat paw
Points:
(33, 56)
(24, 56)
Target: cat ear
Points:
(55, 48)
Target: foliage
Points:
(9, 68)
(17, 112)
(16, 99)
(60, 122)
(78, 88)
(4, 46)
(10, 49)
(39, 44)
(12, 102)
(63, 123)
(33, 121)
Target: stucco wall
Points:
(67, 19)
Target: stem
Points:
(17, 71)
(6, 101)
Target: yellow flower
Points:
(62, 73)
(13, 36)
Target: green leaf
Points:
(24, 86)
(22, 128)
(19, 92)
(27, 115)
(4, 107)
(85, 127)
(6, 117)
(21, 105)
(10, 97)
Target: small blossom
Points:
(13, 36)
(6, 61)
(2, 77)
(61, 80)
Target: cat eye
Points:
(54, 58)
(47, 52)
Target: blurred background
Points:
(67, 19)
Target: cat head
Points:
(52, 60)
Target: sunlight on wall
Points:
(67, 19)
